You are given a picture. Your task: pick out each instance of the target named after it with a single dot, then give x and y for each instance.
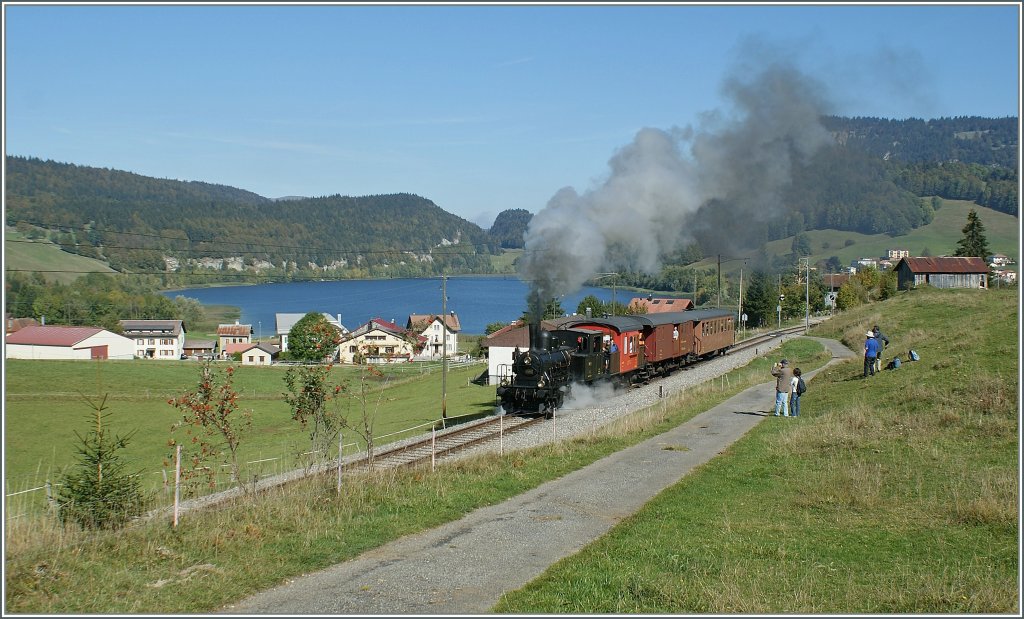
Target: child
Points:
(794, 394)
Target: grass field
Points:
(44, 256)
(45, 407)
(896, 494)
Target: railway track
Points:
(441, 445)
(761, 339)
(489, 429)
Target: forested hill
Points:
(966, 139)
(135, 222)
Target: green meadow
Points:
(46, 404)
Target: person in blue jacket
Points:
(870, 353)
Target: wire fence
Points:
(41, 496)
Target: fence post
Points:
(433, 445)
(501, 435)
(177, 482)
(340, 446)
(49, 495)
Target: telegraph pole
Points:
(807, 296)
(444, 350)
(718, 303)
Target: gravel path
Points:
(464, 567)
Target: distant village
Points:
(425, 337)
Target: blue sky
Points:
(480, 108)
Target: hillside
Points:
(136, 223)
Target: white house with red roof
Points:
(435, 331)
(59, 342)
(379, 341)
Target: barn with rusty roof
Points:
(57, 342)
(943, 272)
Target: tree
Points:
(801, 245)
(759, 299)
(552, 309)
(97, 492)
(974, 243)
(494, 327)
(312, 338)
(210, 425)
(595, 305)
(309, 395)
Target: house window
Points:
(389, 350)
(251, 358)
(353, 349)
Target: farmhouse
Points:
(232, 334)
(41, 342)
(156, 339)
(435, 331)
(945, 272)
(379, 341)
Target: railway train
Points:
(623, 350)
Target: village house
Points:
(896, 254)
(156, 339)
(999, 260)
(435, 331)
(656, 305)
(259, 354)
(59, 342)
(232, 334)
(285, 321)
(1005, 276)
(379, 341)
(944, 272)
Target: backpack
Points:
(894, 364)
(801, 387)
(914, 356)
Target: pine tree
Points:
(97, 492)
(974, 243)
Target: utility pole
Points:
(444, 350)
(739, 307)
(807, 294)
(718, 303)
(781, 297)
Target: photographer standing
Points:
(783, 384)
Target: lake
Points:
(477, 300)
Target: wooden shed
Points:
(944, 272)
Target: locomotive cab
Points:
(591, 357)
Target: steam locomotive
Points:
(623, 350)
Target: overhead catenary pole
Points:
(444, 349)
